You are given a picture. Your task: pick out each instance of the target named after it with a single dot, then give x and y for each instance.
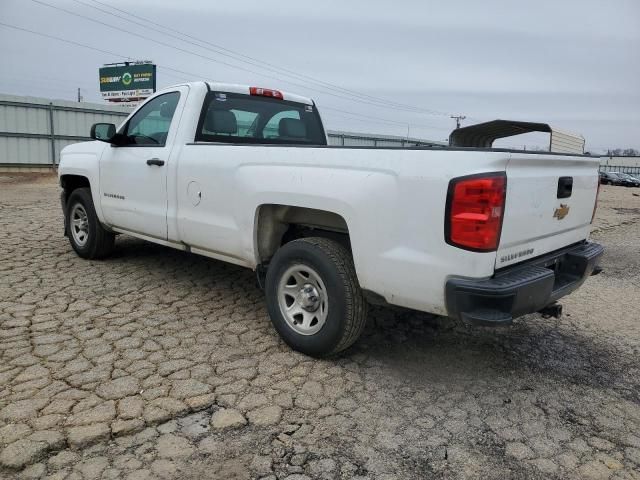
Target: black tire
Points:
(347, 308)
(99, 242)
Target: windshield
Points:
(237, 118)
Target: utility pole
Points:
(79, 95)
(458, 119)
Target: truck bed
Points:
(393, 201)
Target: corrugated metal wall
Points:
(350, 139)
(34, 130)
(630, 164)
(630, 161)
(564, 142)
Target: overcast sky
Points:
(572, 63)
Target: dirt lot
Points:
(161, 364)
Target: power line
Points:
(191, 74)
(331, 115)
(69, 12)
(42, 79)
(385, 120)
(363, 120)
(50, 89)
(198, 54)
(78, 44)
(251, 60)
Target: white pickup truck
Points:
(245, 175)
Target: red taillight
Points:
(265, 92)
(475, 208)
(595, 205)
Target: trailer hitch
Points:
(554, 310)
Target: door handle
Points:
(155, 161)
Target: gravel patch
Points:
(161, 364)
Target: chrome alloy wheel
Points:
(303, 299)
(79, 225)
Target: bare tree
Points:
(627, 152)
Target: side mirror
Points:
(103, 132)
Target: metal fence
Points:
(620, 168)
(34, 130)
(628, 164)
(350, 139)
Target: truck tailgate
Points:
(549, 204)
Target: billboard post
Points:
(128, 81)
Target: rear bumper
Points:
(523, 288)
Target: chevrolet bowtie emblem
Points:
(561, 212)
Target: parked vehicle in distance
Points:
(631, 180)
(636, 176)
(245, 175)
(610, 178)
(617, 178)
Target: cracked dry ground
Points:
(161, 364)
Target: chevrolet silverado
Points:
(245, 175)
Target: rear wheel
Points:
(313, 296)
(87, 236)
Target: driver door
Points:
(133, 177)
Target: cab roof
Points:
(246, 90)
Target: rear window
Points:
(237, 118)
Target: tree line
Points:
(627, 152)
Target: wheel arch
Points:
(81, 179)
(277, 224)
(71, 182)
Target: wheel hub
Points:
(303, 299)
(309, 298)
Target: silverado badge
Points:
(561, 212)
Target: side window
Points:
(272, 128)
(150, 125)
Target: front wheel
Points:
(314, 298)
(87, 236)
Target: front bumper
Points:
(523, 288)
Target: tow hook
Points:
(554, 310)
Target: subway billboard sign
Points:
(127, 82)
